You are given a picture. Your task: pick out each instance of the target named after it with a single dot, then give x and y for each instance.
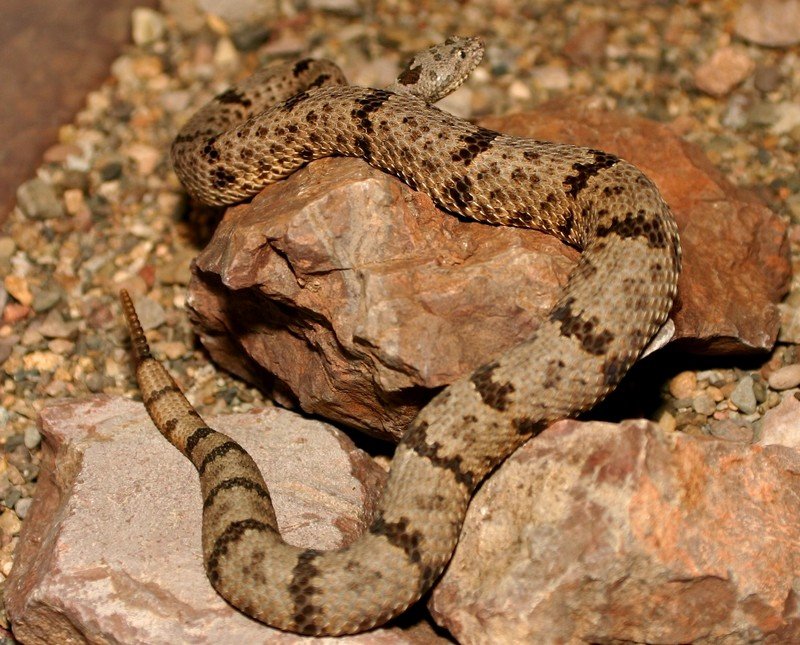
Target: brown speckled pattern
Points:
(615, 300)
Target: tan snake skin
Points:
(615, 300)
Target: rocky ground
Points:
(105, 211)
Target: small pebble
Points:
(715, 377)
(731, 430)
(704, 404)
(41, 361)
(111, 171)
(151, 313)
(346, 7)
(767, 79)
(552, 78)
(22, 507)
(54, 326)
(13, 473)
(10, 496)
(9, 522)
(32, 437)
(74, 200)
(694, 430)
(17, 286)
(7, 248)
(762, 114)
(31, 336)
(759, 388)
(787, 118)
(5, 353)
(45, 299)
(95, 382)
(146, 157)
(726, 68)
(171, 350)
(683, 385)
(14, 312)
(785, 377)
(147, 26)
(251, 36)
(61, 346)
(225, 54)
(743, 396)
(666, 421)
(773, 399)
(60, 152)
(728, 388)
(38, 200)
(774, 23)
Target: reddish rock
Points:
(775, 23)
(110, 551)
(596, 532)
(735, 250)
(781, 424)
(344, 291)
(726, 68)
(360, 296)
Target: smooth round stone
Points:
(785, 378)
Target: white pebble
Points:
(666, 421)
(519, 90)
(226, 54)
(147, 26)
(551, 77)
(32, 437)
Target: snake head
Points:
(434, 73)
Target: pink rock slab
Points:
(111, 549)
(599, 533)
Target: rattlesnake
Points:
(615, 300)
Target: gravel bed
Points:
(105, 211)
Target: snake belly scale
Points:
(615, 300)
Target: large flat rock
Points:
(111, 549)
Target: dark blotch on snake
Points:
(585, 331)
(574, 184)
(493, 394)
(417, 440)
(302, 590)
(233, 483)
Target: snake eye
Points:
(462, 53)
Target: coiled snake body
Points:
(615, 300)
